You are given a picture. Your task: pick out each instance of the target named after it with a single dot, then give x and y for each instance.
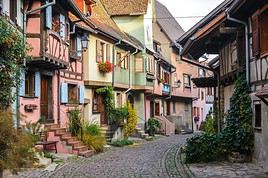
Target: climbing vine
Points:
(236, 136)
(13, 52)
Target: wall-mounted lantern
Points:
(84, 41)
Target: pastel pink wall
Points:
(147, 111)
(29, 116)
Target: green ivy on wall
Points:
(236, 136)
(13, 52)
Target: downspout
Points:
(59, 102)
(116, 44)
(246, 42)
(129, 72)
(41, 7)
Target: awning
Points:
(205, 82)
(263, 94)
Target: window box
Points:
(105, 67)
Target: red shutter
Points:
(255, 35)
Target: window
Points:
(202, 73)
(13, 10)
(187, 81)
(264, 32)
(100, 51)
(139, 65)
(59, 23)
(122, 59)
(258, 117)
(150, 68)
(157, 46)
(118, 99)
(166, 77)
(209, 91)
(30, 84)
(72, 94)
(202, 95)
(76, 46)
(96, 106)
(158, 69)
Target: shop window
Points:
(72, 94)
(96, 107)
(257, 114)
(30, 84)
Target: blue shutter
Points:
(37, 84)
(22, 82)
(81, 94)
(49, 17)
(64, 93)
(79, 46)
(62, 25)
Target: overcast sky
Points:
(184, 8)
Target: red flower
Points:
(105, 67)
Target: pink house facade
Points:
(52, 81)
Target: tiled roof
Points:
(125, 7)
(103, 22)
(167, 22)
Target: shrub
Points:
(95, 142)
(74, 121)
(34, 130)
(209, 126)
(118, 115)
(92, 129)
(132, 121)
(16, 147)
(152, 126)
(121, 143)
(237, 136)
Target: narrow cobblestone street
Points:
(152, 159)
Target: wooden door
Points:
(104, 116)
(44, 98)
(157, 109)
(152, 109)
(46, 105)
(168, 108)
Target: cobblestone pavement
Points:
(158, 158)
(230, 170)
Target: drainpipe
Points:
(58, 91)
(129, 72)
(246, 42)
(41, 7)
(116, 44)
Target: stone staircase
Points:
(140, 133)
(107, 133)
(77, 147)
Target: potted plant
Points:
(152, 126)
(105, 67)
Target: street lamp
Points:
(84, 41)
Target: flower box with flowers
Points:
(105, 67)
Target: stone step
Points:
(80, 148)
(75, 143)
(86, 153)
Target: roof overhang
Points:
(263, 94)
(204, 82)
(201, 38)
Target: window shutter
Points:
(22, 82)
(49, 17)
(37, 84)
(108, 53)
(64, 93)
(139, 65)
(79, 46)
(62, 25)
(82, 94)
(98, 50)
(255, 35)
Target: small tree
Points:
(132, 121)
(15, 145)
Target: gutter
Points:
(41, 7)
(246, 41)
